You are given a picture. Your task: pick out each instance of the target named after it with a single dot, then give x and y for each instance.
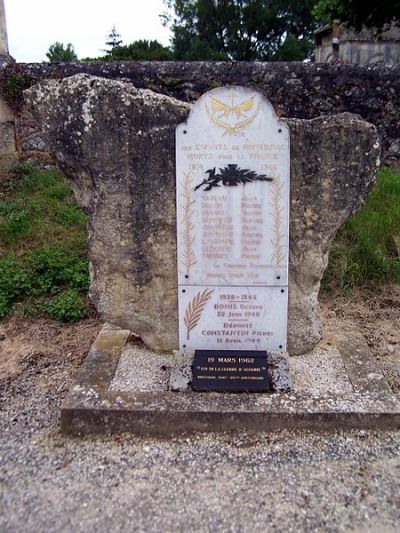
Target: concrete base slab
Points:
(123, 386)
(141, 370)
(320, 371)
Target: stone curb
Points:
(91, 408)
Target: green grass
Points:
(43, 262)
(366, 250)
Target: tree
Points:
(58, 53)
(358, 13)
(241, 30)
(141, 50)
(113, 40)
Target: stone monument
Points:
(116, 145)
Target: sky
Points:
(33, 25)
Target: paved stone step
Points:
(124, 387)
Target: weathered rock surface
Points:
(8, 149)
(333, 165)
(116, 145)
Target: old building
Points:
(337, 44)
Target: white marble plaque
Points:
(229, 318)
(232, 163)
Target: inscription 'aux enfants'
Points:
(232, 212)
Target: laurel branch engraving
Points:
(188, 257)
(278, 246)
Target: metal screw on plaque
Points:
(282, 290)
(184, 132)
(280, 346)
(183, 290)
(186, 276)
(278, 277)
(279, 131)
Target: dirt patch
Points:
(43, 342)
(375, 314)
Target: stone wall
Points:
(8, 149)
(297, 90)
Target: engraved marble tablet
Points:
(232, 164)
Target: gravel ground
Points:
(280, 482)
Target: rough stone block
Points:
(6, 114)
(8, 151)
(116, 144)
(7, 138)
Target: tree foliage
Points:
(358, 13)
(241, 30)
(141, 50)
(113, 40)
(58, 53)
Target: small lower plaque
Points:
(230, 371)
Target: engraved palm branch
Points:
(195, 309)
(230, 176)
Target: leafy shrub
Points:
(51, 268)
(14, 281)
(69, 306)
(5, 305)
(77, 275)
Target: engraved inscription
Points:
(238, 371)
(234, 318)
(232, 214)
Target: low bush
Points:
(44, 267)
(13, 81)
(68, 306)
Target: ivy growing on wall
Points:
(13, 81)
